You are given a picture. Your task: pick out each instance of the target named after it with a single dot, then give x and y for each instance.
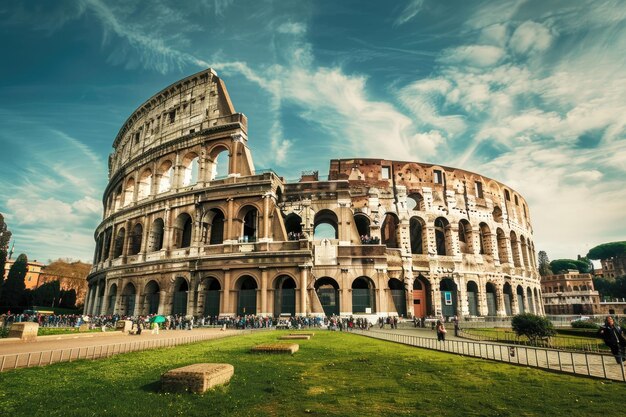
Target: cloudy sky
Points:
(532, 93)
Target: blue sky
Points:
(531, 93)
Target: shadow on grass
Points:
(154, 387)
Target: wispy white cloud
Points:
(409, 12)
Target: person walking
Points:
(613, 337)
(441, 331)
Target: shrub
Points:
(532, 326)
(584, 324)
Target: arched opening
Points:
(485, 239)
(524, 251)
(362, 223)
(415, 202)
(164, 177)
(502, 246)
(536, 302)
(119, 243)
(529, 298)
(326, 225)
(213, 227)
(449, 296)
(117, 199)
(129, 192)
(497, 214)
(389, 231)
(246, 296)
(465, 237)
(151, 297)
(100, 299)
(108, 235)
(442, 230)
(190, 169)
(219, 164)
(250, 217)
(492, 300)
(507, 294)
(520, 300)
(293, 226)
(363, 296)
(181, 291)
(145, 184)
(285, 296)
(327, 291)
(472, 298)
(417, 230)
(422, 304)
(136, 238)
(182, 231)
(112, 299)
(515, 249)
(211, 289)
(128, 300)
(398, 295)
(155, 239)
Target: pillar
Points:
(304, 284)
(264, 274)
(227, 278)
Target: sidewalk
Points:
(577, 363)
(66, 348)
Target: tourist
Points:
(613, 337)
(441, 331)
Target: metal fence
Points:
(577, 363)
(48, 357)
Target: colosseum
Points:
(190, 227)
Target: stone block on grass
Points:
(83, 328)
(197, 378)
(124, 326)
(295, 337)
(25, 330)
(289, 348)
(302, 333)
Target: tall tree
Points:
(5, 238)
(544, 264)
(14, 286)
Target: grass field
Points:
(562, 341)
(333, 374)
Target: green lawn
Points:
(334, 374)
(561, 341)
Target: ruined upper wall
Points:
(194, 103)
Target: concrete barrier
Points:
(24, 331)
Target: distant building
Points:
(31, 280)
(614, 267)
(570, 293)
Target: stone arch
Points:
(293, 226)
(507, 295)
(151, 297)
(213, 222)
(219, 162)
(326, 225)
(515, 249)
(466, 241)
(497, 214)
(210, 289)
(136, 237)
(117, 198)
(492, 299)
(327, 290)
(190, 169)
(415, 202)
(398, 295)
(183, 228)
(443, 238)
(180, 296)
(155, 238)
(422, 302)
(363, 223)
(520, 300)
(524, 248)
(502, 246)
(127, 300)
(390, 230)
(472, 298)
(165, 176)
(112, 299)
(529, 299)
(284, 295)
(129, 191)
(249, 217)
(449, 297)
(486, 247)
(417, 229)
(144, 188)
(118, 250)
(363, 295)
(246, 288)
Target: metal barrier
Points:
(555, 342)
(48, 357)
(577, 363)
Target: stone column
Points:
(266, 217)
(264, 309)
(229, 220)
(161, 309)
(501, 310)
(105, 298)
(137, 310)
(227, 278)
(462, 297)
(304, 283)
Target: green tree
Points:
(607, 250)
(68, 298)
(14, 286)
(5, 238)
(562, 265)
(544, 264)
(48, 294)
(605, 286)
(532, 326)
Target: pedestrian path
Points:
(577, 363)
(67, 348)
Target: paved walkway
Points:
(63, 348)
(586, 364)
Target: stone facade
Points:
(376, 237)
(571, 293)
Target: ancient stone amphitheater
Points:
(190, 227)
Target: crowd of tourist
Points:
(369, 240)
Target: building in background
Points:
(570, 293)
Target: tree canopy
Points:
(544, 264)
(562, 265)
(14, 286)
(532, 326)
(5, 237)
(607, 250)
